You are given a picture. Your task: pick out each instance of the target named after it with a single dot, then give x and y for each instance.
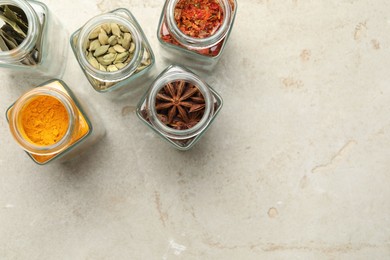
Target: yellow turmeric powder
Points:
(45, 120)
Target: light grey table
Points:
(296, 166)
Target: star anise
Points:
(193, 119)
(177, 103)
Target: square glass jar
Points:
(43, 51)
(181, 139)
(201, 52)
(83, 127)
(135, 74)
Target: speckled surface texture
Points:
(296, 166)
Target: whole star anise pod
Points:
(193, 119)
(180, 105)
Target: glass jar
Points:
(82, 130)
(185, 138)
(44, 49)
(133, 75)
(191, 48)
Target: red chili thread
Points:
(197, 19)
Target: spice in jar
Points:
(199, 20)
(49, 123)
(44, 120)
(180, 105)
(111, 47)
(14, 32)
(113, 52)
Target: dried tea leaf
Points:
(16, 17)
(3, 45)
(14, 25)
(12, 34)
(19, 12)
(11, 43)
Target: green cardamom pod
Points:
(93, 62)
(94, 34)
(107, 59)
(94, 45)
(123, 29)
(112, 40)
(112, 68)
(103, 38)
(120, 65)
(111, 50)
(102, 68)
(107, 28)
(101, 50)
(126, 41)
(129, 58)
(132, 47)
(121, 57)
(140, 68)
(115, 29)
(119, 48)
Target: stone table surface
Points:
(296, 166)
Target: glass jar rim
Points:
(29, 42)
(198, 43)
(118, 75)
(17, 110)
(172, 76)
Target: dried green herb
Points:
(14, 31)
(180, 105)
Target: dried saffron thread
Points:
(198, 18)
(44, 120)
(211, 51)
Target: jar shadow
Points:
(82, 166)
(19, 82)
